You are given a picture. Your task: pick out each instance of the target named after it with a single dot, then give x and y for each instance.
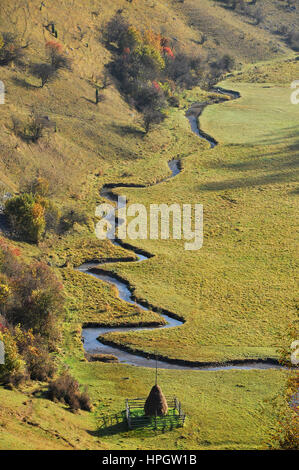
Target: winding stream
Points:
(95, 345)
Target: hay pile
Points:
(156, 404)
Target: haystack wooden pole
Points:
(128, 413)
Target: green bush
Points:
(27, 217)
(13, 361)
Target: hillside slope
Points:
(90, 138)
(236, 294)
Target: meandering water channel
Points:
(94, 337)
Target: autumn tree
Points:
(36, 301)
(13, 362)
(56, 61)
(30, 131)
(56, 56)
(27, 217)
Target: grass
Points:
(275, 72)
(97, 135)
(159, 423)
(137, 412)
(273, 124)
(231, 33)
(94, 301)
(236, 293)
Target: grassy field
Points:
(264, 115)
(225, 410)
(236, 293)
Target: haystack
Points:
(156, 404)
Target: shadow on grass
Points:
(273, 178)
(21, 82)
(110, 425)
(275, 165)
(128, 130)
(89, 100)
(117, 424)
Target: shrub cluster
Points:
(30, 131)
(149, 71)
(31, 305)
(66, 390)
(14, 365)
(32, 213)
(56, 61)
(35, 295)
(30, 310)
(26, 214)
(10, 49)
(40, 364)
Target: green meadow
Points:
(225, 410)
(237, 292)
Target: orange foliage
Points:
(11, 249)
(54, 46)
(153, 39)
(38, 211)
(168, 51)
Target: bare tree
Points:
(151, 117)
(45, 72)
